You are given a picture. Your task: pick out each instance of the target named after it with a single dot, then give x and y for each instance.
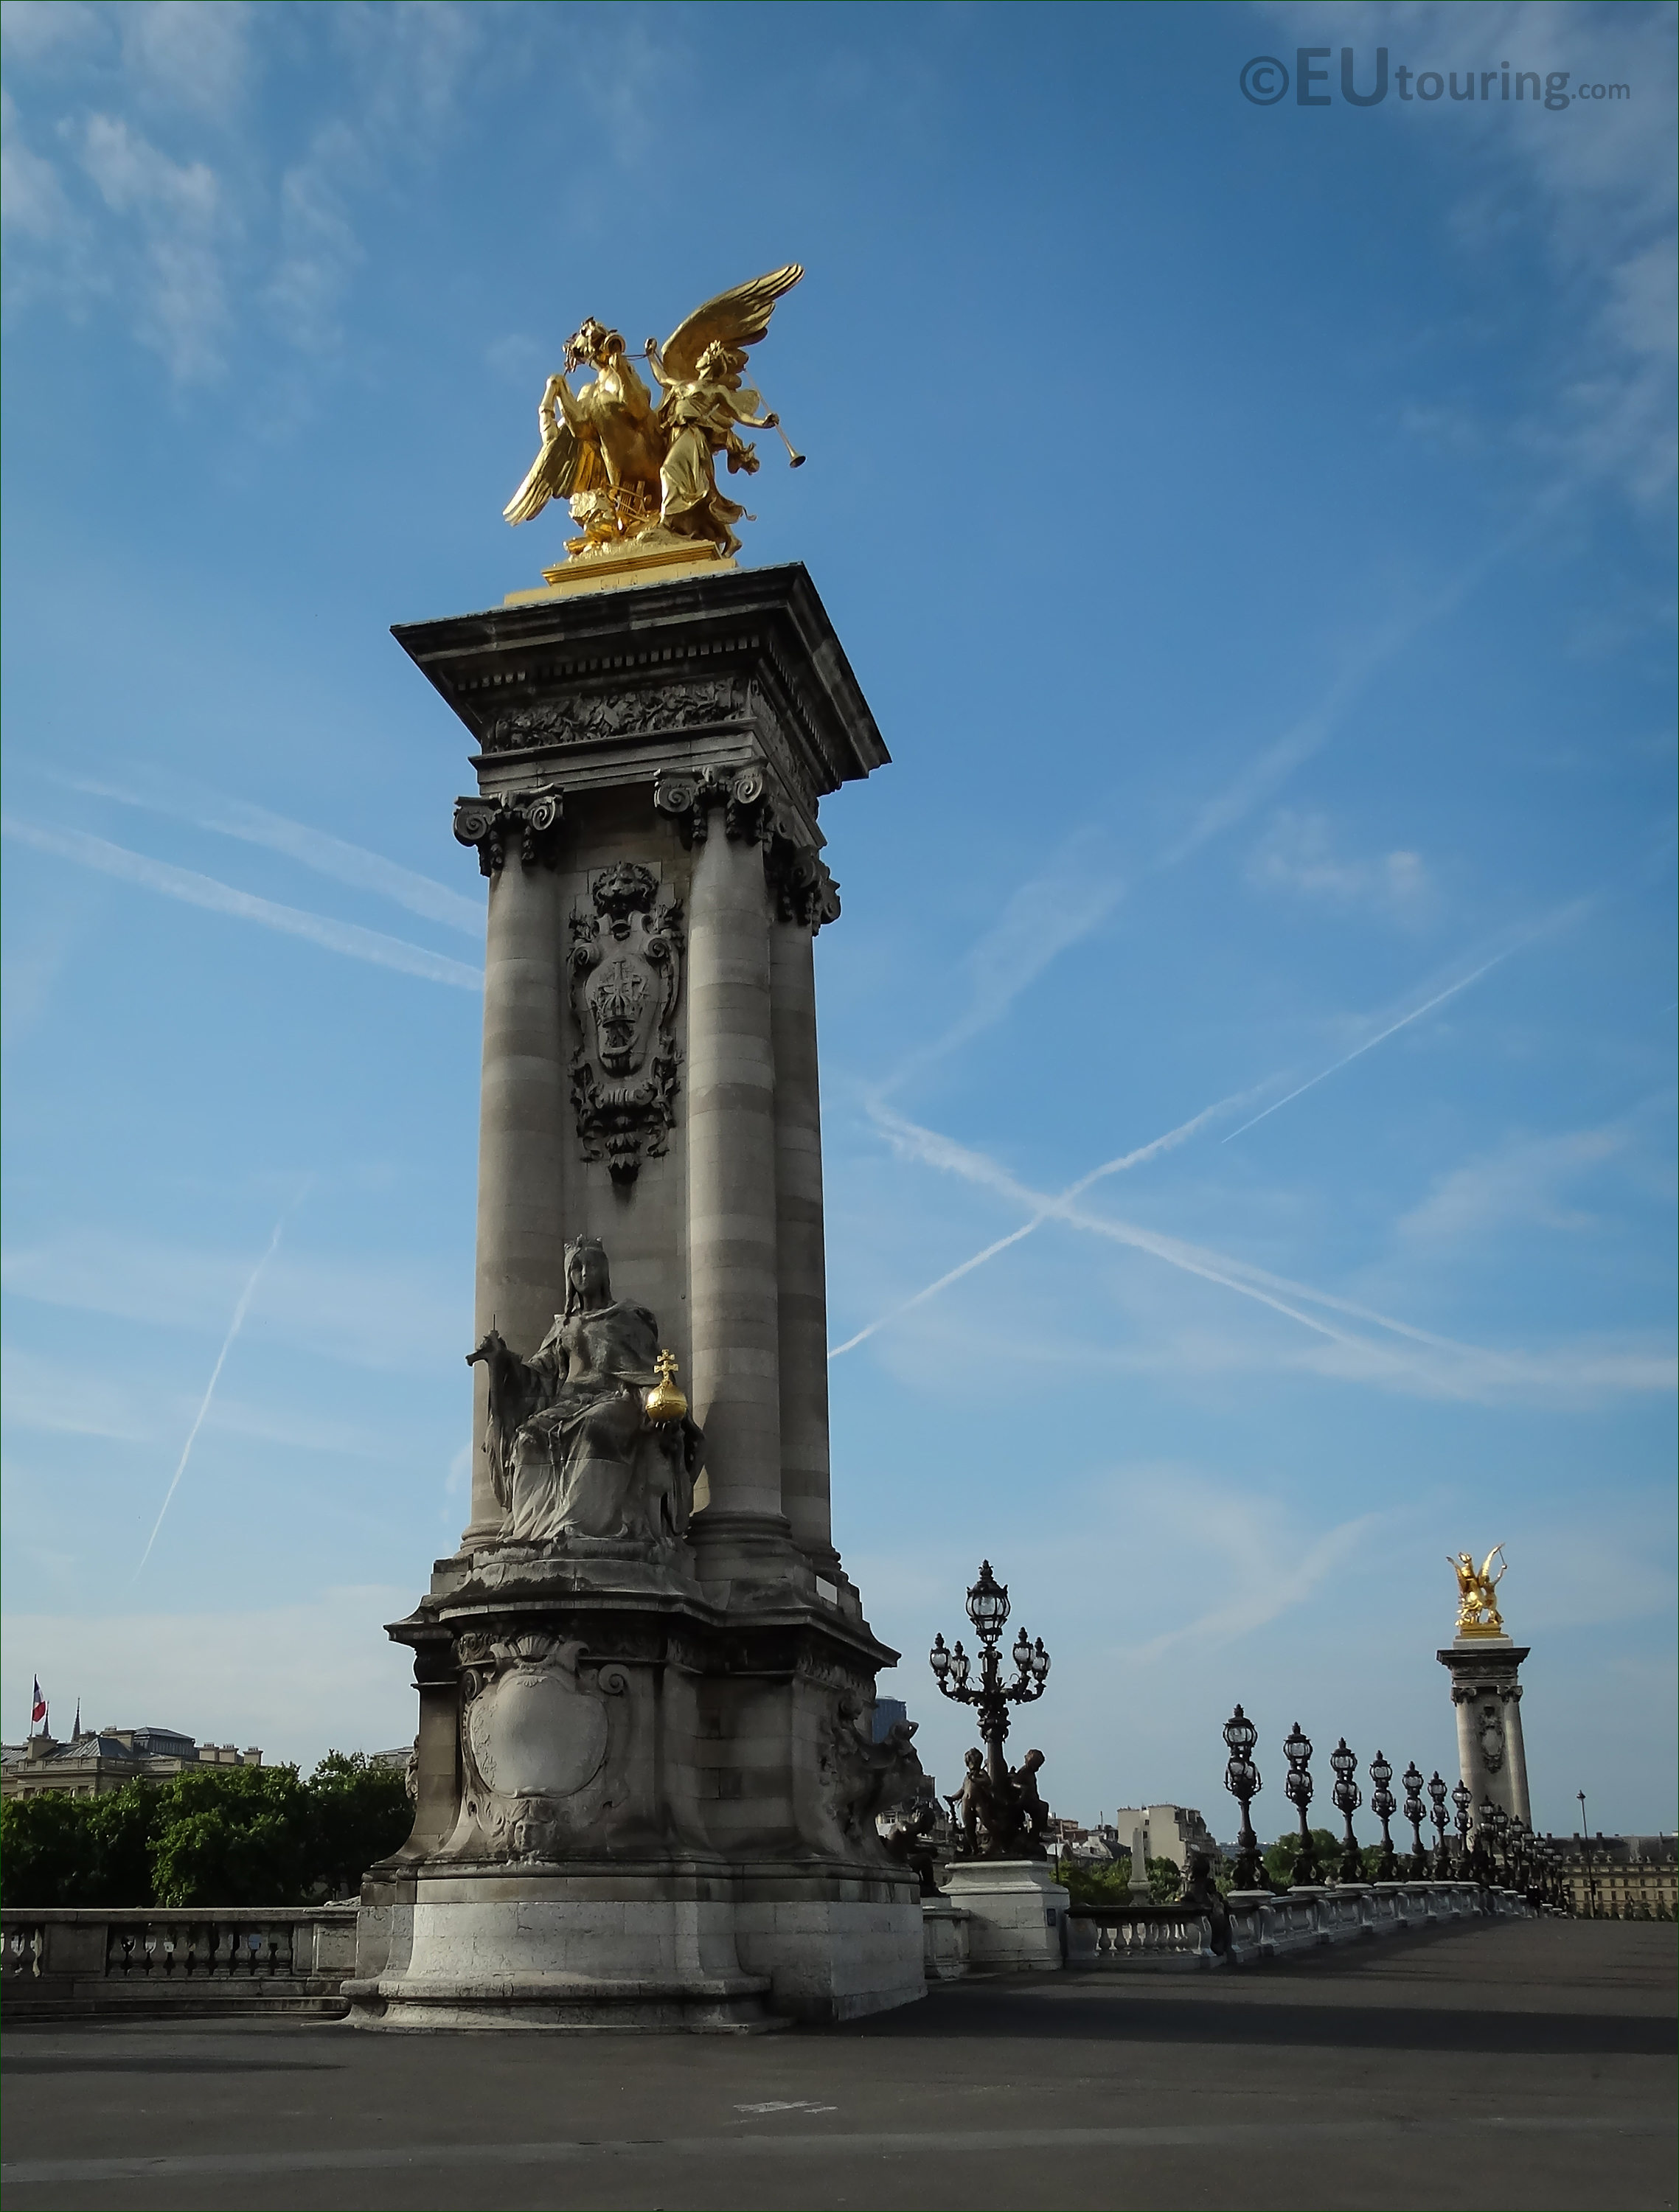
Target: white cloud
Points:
(1041, 918)
(1297, 855)
(348, 938)
(181, 53)
(366, 1314)
(33, 204)
(1599, 176)
(1521, 1183)
(183, 222)
(33, 31)
(314, 849)
(1402, 1357)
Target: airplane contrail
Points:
(236, 1324)
(1369, 1043)
(1116, 1166)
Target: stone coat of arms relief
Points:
(535, 1740)
(626, 981)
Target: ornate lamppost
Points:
(1346, 1797)
(1462, 1801)
(1412, 1780)
(1437, 1799)
(1002, 1809)
(1242, 1780)
(1297, 1750)
(1382, 1804)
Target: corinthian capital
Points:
(689, 799)
(489, 825)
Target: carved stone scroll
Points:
(798, 877)
(626, 979)
(689, 799)
(531, 817)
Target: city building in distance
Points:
(98, 1760)
(1620, 1877)
(1170, 1831)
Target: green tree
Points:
(232, 1836)
(361, 1814)
(59, 1849)
(1280, 1857)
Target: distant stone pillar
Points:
(521, 1124)
(805, 898)
(1486, 1697)
(732, 1153)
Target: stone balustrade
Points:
(69, 1963)
(1175, 1938)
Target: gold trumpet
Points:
(795, 459)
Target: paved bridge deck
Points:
(1526, 2064)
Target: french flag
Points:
(38, 1714)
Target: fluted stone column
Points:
(732, 1217)
(521, 1124)
(801, 1266)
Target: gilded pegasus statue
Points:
(637, 471)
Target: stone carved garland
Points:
(626, 979)
(535, 1740)
(615, 714)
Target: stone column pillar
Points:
(801, 1263)
(731, 1218)
(1486, 1696)
(1517, 1753)
(521, 1123)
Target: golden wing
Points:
(1487, 1564)
(561, 468)
(737, 319)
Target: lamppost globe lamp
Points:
(1242, 1780)
(1297, 1750)
(1462, 1801)
(1002, 1813)
(1411, 1783)
(1346, 1797)
(1437, 1799)
(1384, 1804)
(988, 1605)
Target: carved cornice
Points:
(591, 674)
(489, 825)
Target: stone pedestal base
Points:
(1018, 1912)
(947, 1948)
(722, 1949)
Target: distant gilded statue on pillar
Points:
(1478, 1611)
(641, 474)
(590, 1438)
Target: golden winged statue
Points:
(635, 473)
(1478, 1611)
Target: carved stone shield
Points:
(535, 1738)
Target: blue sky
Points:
(1252, 527)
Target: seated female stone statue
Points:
(576, 1452)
